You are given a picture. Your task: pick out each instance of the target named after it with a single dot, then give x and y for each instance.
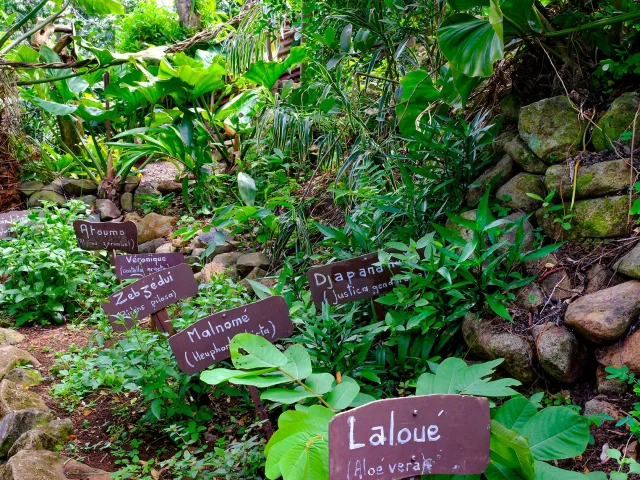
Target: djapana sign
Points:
(6, 219)
(351, 280)
(408, 437)
(206, 342)
(149, 295)
(106, 235)
(140, 265)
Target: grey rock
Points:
(37, 198)
(151, 245)
(77, 187)
(617, 120)
(45, 465)
(530, 297)
(89, 200)
(144, 191)
(256, 274)
(626, 352)
(495, 176)
(107, 209)
(551, 128)
(501, 140)
(30, 187)
(527, 229)
(152, 226)
(166, 248)
(523, 156)
(629, 265)
(605, 316)
(130, 183)
(45, 437)
(600, 277)
(249, 261)
(227, 259)
(126, 201)
(513, 194)
(169, 186)
(12, 357)
(24, 376)
(609, 386)
(510, 105)
(598, 405)
(10, 337)
(593, 180)
(560, 353)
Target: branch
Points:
(22, 21)
(27, 34)
(598, 23)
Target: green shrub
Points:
(47, 277)
(149, 25)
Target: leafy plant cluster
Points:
(47, 277)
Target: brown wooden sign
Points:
(149, 295)
(351, 280)
(408, 437)
(143, 264)
(6, 219)
(206, 342)
(106, 235)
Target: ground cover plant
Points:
(484, 152)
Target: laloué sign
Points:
(408, 437)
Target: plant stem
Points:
(598, 23)
(299, 382)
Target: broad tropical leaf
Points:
(418, 92)
(252, 351)
(100, 7)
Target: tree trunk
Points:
(189, 17)
(69, 135)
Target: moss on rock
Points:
(617, 120)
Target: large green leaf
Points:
(54, 108)
(267, 73)
(252, 351)
(556, 433)
(299, 362)
(521, 13)
(100, 7)
(418, 92)
(470, 44)
(341, 396)
(220, 375)
(247, 188)
(510, 451)
(449, 375)
(544, 471)
(320, 383)
(516, 413)
(282, 395)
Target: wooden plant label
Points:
(149, 295)
(106, 235)
(206, 342)
(141, 265)
(408, 437)
(351, 280)
(6, 219)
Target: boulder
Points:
(130, 183)
(89, 200)
(598, 405)
(527, 229)
(151, 245)
(594, 218)
(518, 351)
(551, 128)
(256, 274)
(10, 337)
(214, 269)
(629, 265)
(465, 233)
(40, 196)
(248, 261)
(617, 120)
(495, 176)
(166, 248)
(560, 353)
(45, 437)
(107, 209)
(144, 191)
(501, 140)
(126, 201)
(530, 297)
(609, 386)
(228, 259)
(45, 465)
(20, 410)
(605, 316)
(12, 357)
(205, 239)
(79, 186)
(30, 187)
(152, 226)
(626, 353)
(592, 181)
(24, 376)
(169, 186)
(513, 194)
(555, 281)
(523, 156)
(195, 259)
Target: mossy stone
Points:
(592, 181)
(40, 196)
(604, 217)
(524, 156)
(494, 178)
(513, 194)
(551, 128)
(510, 105)
(617, 120)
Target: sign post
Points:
(408, 437)
(206, 342)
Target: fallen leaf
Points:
(603, 456)
(71, 437)
(86, 412)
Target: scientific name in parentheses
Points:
(120, 239)
(148, 291)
